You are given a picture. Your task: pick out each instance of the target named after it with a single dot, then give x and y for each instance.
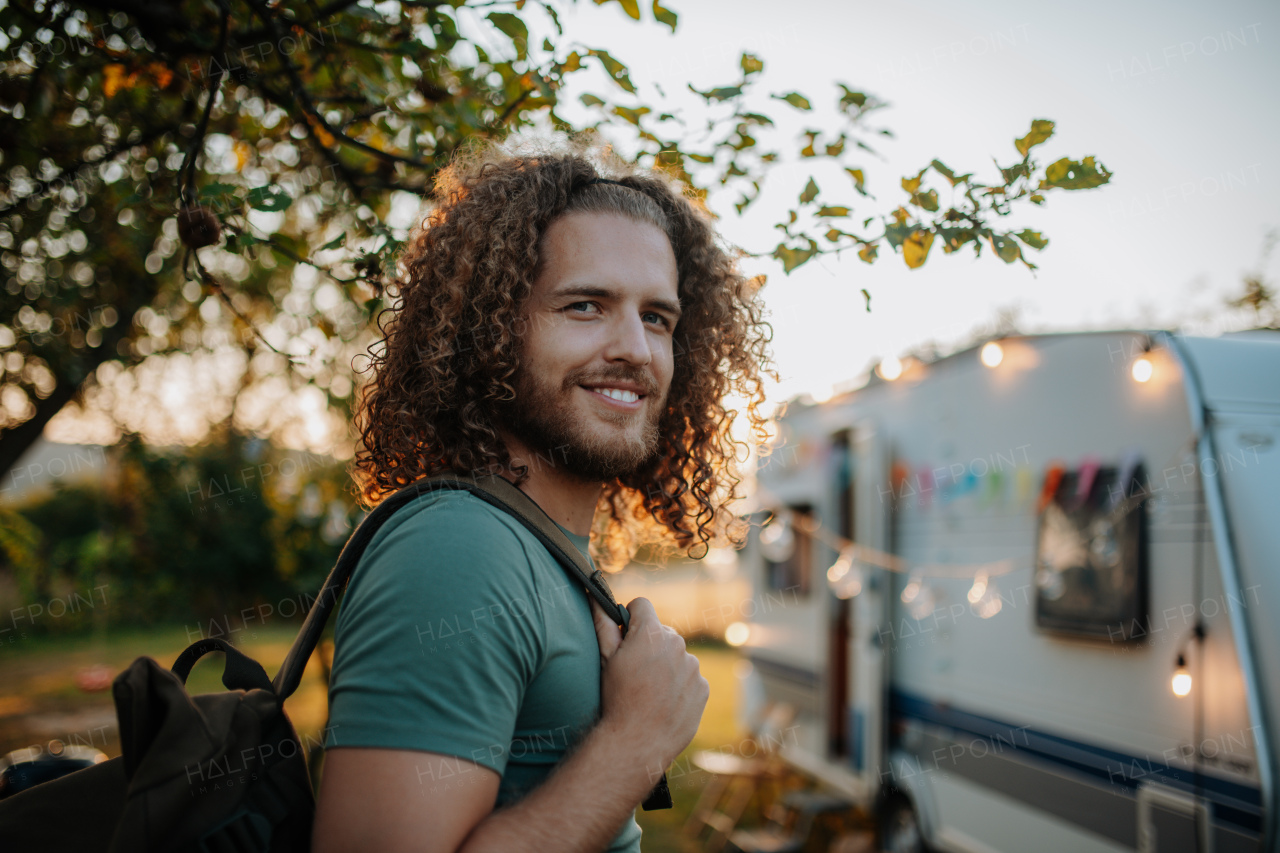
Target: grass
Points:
(39, 701)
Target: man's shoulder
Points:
(448, 516)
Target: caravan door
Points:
(868, 699)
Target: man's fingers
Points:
(608, 634)
(642, 612)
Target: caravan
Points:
(1032, 593)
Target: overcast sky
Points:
(1178, 99)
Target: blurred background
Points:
(200, 208)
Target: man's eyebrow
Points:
(672, 308)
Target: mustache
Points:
(648, 385)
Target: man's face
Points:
(600, 321)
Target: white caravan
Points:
(1025, 597)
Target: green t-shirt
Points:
(460, 634)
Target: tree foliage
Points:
(198, 537)
(187, 175)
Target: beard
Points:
(548, 420)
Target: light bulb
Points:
(1181, 678)
(890, 369)
(979, 588)
(992, 354)
(911, 590)
(1142, 369)
(737, 633)
(777, 541)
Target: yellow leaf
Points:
(868, 252)
(911, 185)
(326, 138)
(916, 248)
(114, 79)
(242, 151)
(161, 73)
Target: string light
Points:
(777, 541)
(992, 354)
(1181, 678)
(889, 369)
(845, 575)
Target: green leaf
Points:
(591, 100)
(269, 198)
(1032, 238)
(218, 189)
(1041, 130)
(832, 211)
(851, 98)
(630, 115)
(1005, 246)
(1067, 174)
(721, 94)
(792, 258)
(616, 70)
(1018, 170)
(928, 200)
(631, 7)
(810, 192)
(664, 16)
(129, 199)
(242, 241)
(859, 180)
(795, 99)
(335, 243)
(751, 64)
(952, 178)
(866, 295)
(514, 29)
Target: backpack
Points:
(225, 772)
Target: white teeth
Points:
(617, 394)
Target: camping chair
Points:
(735, 779)
(790, 822)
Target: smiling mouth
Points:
(616, 395)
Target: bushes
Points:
(196, 536)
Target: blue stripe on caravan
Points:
(1232, 801)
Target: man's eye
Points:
(661, 319)
(578, 305)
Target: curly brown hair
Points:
(450, 353)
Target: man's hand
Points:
(651, 693)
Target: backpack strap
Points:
(492, 489)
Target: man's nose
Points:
(630, 342)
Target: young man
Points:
(576, 335)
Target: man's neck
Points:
(569, 501)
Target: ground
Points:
(40, 701)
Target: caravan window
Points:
(1091, 573)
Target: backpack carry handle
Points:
(241, 672)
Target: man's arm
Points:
(652, 698)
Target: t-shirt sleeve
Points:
(432, 649)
